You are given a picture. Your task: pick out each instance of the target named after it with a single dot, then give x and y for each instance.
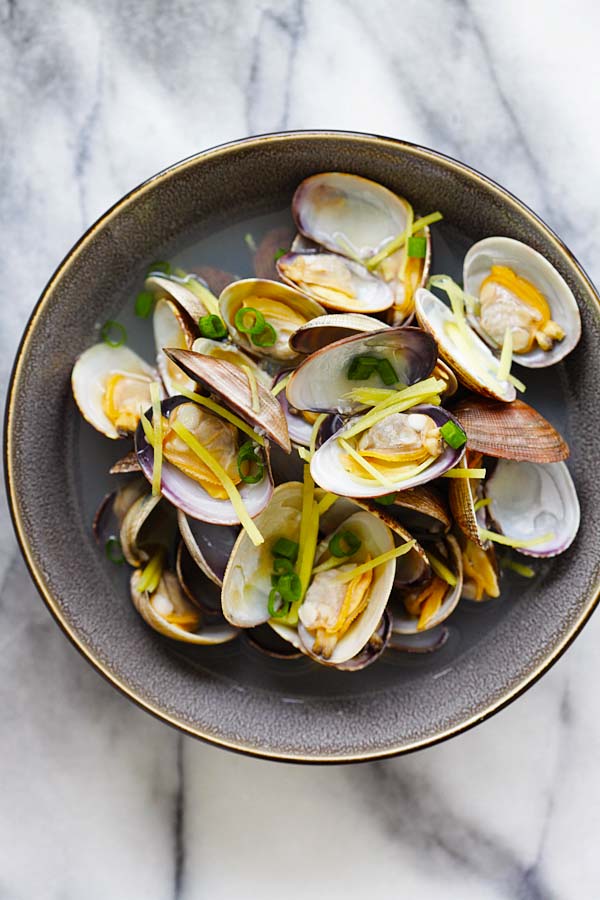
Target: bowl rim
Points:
(231, 147)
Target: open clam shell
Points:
(172, 328)
(170, 600)
(90, 377)
(478, 369)
(348, 214)
(328, 470)
(137, 521)
(231, 385)
(209, 545)
(336, 282)
(249, 292)
(527, 263)
(530, 500)
(300, 427)
(126, 465)
(321, 384)
(197, 587)
(114, 507)
(509, 431)
(404, 623)
(187, 494)
(176, 289)
(228, 352)
(422, 511)
(324, 330)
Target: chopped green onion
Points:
(113, 550)
(113, 333)
(417, 247)
(250, 242)
(143, 304)
(441, 569)
(387, 499)
(453, 434)
(286, 548)
(212, 327)
(344, 543)
(399, 241)
(386, 372)
(289, 587)
(362, 367)
(160, 266)
(281, 252)
(266, 338)
(519, 568)
(277, 608)
(249, 464)
(256, 324)
(282, 566)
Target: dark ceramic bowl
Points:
(233, 696)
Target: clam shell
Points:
(132, 526)
(529, 264)
(324, 330)
(419, 643)
(317, 274)
(403, 623)
(200, 590)
(227, 351)
(320, 383)
(172, 328)
(208, 634)
(234, 295)
(126, 465)
(209, 545)
(443, 371)
(230, 384)
(530, 500)
(433, 314)
(462, 505)
(509, 431)
(329, 473)
(421, 510)
(174, 288)
(114, 506)
(348, 214)
(90, 375)
(186, 494)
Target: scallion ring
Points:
(113, 333)
(282, 566)
(344, 543)
(362, 367)
(290, 587)
(277, 607)
(113, 550)
(266, 338)
(143, 304)
(248, 320)
(386, 372)
(249, 464)
(285, 547)
(212, 327)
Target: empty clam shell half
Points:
(171, 287)
(531, 501)
(324, 330)
(321, 382)
(172, 328)
(404, 623)
(527, 263)
(209, 545)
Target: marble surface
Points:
(99, 800)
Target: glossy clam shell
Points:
(328, 471)
(509, 431)
(421, 642)
(113, 508)
(328, 329)
(90, 375)
(348, 214)
(126, 465)
(432, 314)
(462, 505)
(234, 295)
(228, 352)
(230, 384)
(172, 328)
(200, 590)
(300, 431)
(319, 383)
(530, 500)
(421, 510)
(175, 289)
(208, 634)
(209, 545)
(369, 294)
(395, 316)
(131, 527)
(529, 264)
(189, 496)
(403, 623)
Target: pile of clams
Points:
(327, 462)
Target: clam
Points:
(428, 605)
(126, 465)
(532, 502)
(517, 288)
(228, 351)
(373, 649)
(300, 422)
(172, 328)
(200, 589)
(463, 494)
(322, 384)
(209, 545)
(420, 642)
(168, 611)
(509, 431)
(337, 617)
(137, 525)
(113, 508)
(185, 291)
(336, 282)
(470, 358)
(422, 511)
(109, 386)
(275, 312)
(324, 330)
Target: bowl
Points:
(56, 468)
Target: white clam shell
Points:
(90, 375)
(530, 500)
(403, 623)
(317, 274)
(232, 354)
(171, 330)
(529, 264)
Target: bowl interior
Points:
(199, 213)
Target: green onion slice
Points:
(417, 247)
(286, 548)
(248, 320)
(362, 367)
(386, 372)
(113, 550)
(249, 464)
(276, 605)
(453, 434)
(160, 266)
(143, 304)
(344, 543)
(212, 327)
(113, 333)
(290, 587)
(282, 566)
(266, 338)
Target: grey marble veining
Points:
(98, 800)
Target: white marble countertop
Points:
(99, 800)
